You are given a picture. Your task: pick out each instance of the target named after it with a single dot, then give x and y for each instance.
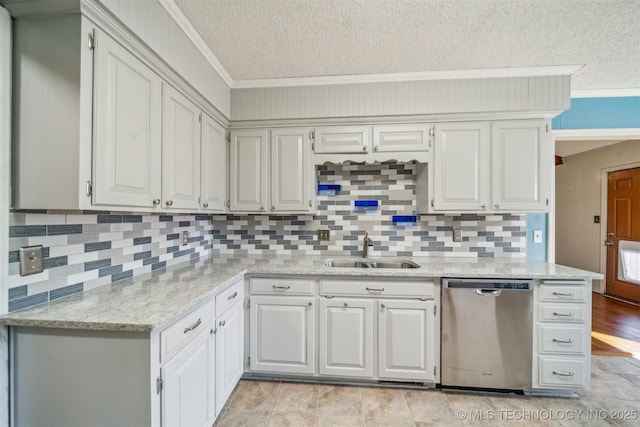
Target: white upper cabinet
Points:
(342, 139)
(180, 152)
(214, 166)
(249, 170)
(291, 170)
(127, 121)
(391, 138)
(271, 175)
(461, 174)
(521, 164)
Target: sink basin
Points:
(370, 264)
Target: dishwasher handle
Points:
(486, 292)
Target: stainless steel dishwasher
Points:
(487, 333)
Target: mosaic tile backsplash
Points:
(84, 251)
(393, 185)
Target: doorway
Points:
(623, 234)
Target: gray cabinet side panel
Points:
(80, 378)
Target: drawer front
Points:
(562, 339)
(229, 296)
(376, 288)
(282, 286)
(179, 334)
(562, 373)
(562, 312)
(562, 293)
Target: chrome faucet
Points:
(365, 245)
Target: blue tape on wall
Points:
(404, 219)
(329, 189)
(600, 113)
(366, 203)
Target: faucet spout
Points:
(366, 243)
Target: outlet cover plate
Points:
(324, 235)
(185, 237)
(457, 235)
(31, 260)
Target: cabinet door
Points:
(292, 174)
(229, 352)
(401, 138)
(521, 163)
(461, 167)
(342, 139)
(406, 339)
(346, 337)
(214, 166)
(249, 170)
(188, 396)
(282, 334)
(127, 128)
(180, 151)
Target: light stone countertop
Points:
(152, 301)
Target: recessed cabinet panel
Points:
(406, 347)
(394, 138)
(229, 352)
(342, 139)
(249, 170)
(346, 337)
(521, 160)
(215, 166)
(180, 152)
(461, 172)
(282, 334)
(127, 127)
(290, 165)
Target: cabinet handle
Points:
(156, 202)
(496, 206)
(547, 202)
(564, 294)
(483, 206)
(206, 205)
(310, 303)
(281, 287)
(375, 289)
(232, 296)
(346, 305)
(169, 202)
(569, 341)
(383, 306)
(310, 204)
(555, 313)
(364, 148)
(192, 327)
(563, 374)
(222, 323)
(261, 208)
(273, 208)
(375, 148)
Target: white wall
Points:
(579, 197)
(5, 137)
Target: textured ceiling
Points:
(265, 39)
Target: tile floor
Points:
(614, 399)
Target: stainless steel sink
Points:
(370, 264)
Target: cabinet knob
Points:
(483, 206)
(222, 323)
(496, 206)
(364, 148)
(205, 205)
(261, 208)
(156, 202)
(375, 148)
(169, 202)
(273, 208)
(213, 331)
(383, 306)
(310, 303)
(346, 305)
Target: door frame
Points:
(601, 285)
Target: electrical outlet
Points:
(323, 235)
(31, 260)
(457, 235)
(185, 237)
(537, 236)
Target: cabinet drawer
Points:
(375, 288)
(562, 293)
(342, 139)
(229, 296)
(184, 330)
(282, 286)
(562, 312)
(561, 339)
(557, 372)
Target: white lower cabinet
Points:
(229, 352)
(406, 340)
(189, 384)
(282, 334)
(346, 337)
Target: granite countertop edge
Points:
(179, 289)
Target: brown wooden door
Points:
(623, 223)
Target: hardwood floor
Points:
(615, 327)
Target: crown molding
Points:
(182, 21)
(621, 134)
(605, 93)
